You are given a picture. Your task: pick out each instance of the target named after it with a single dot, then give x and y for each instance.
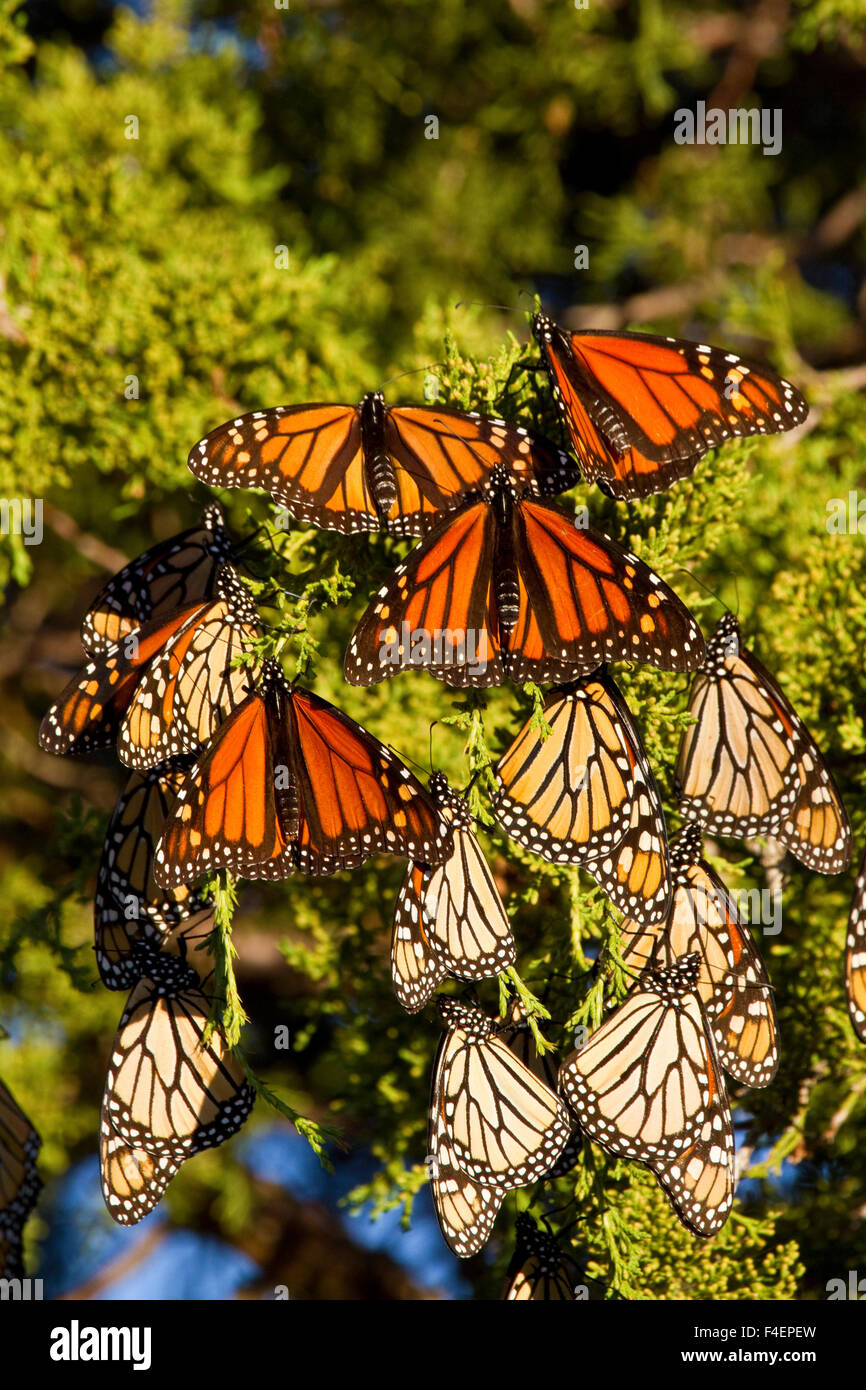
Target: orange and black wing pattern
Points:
(449, 919)
(308, 457)
(577, 788)
(167, 1091)
(584, 600)
(178, 571)
(129, 903)
(205, 672)
(368, 467)
(643, 410)
(700, 1181)
(89, 712)
(437, 612)
(510, 588)
(540, 1271)
(133, 1180)
(356, 798)
(733, 985)
(289, 781)
(225, 815)
(441, 455)
(749, 766)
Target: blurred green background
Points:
(282, 229)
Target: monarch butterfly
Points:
(509, 587)
(641, 411)
(586, 795)
(748, 765)
(128, 901)
(855, 956)
(371, 467)
(178, 571)
(540, 1269)
(193, 682)
(289, 781)
(465, 1210)
(640, 1085)
(504, 1126)
(648, 1086)
(449, 920)
(733, 984)
(166, 1092)
(20, 1183)
(89, 713)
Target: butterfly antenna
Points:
(413, 371)
(430, 749)
(481, 304)
(404, 758)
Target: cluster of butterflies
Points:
(234, 767)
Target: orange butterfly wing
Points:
(356, 798)
(441, 594)
(88, 713)
(578, 600)
(225, 814)
(440, 455)
(309, 457)
(642, 410)
(585, 601)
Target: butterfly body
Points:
(509, 587)
(381, 479)
(289, 781)
(371, 467)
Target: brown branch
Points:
(760, 36)
(105, 556)
(840, 223)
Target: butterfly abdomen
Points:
(381, 478)
(507, 599)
